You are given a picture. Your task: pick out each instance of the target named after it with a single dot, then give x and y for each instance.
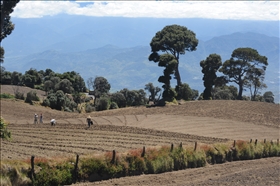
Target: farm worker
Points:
(41, 118)
(35, 119)
(89, 121)
(53, 122)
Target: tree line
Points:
(66, 91)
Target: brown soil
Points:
(129, 128)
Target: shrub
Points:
(14, 176)
(102, 103)
(114, 105)
(19, 95)
(31, 96)
(274, 149)
(195, 158)
(60, 174)
(4, 133)
(221, 152)
(210, 153)
(158, 160)
(136, 163)
(46, 102)
(179, 157)
(89, 108)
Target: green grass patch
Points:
(7, 96)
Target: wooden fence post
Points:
(251, 140)
(256, 142)
(32, 171)
(76, 169)
(181, 145)
(195, 146)
(172, 146)
(143, 152)
(114, 157)
(234, 143)
(264, 140)
(271, 142)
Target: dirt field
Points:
(129, 128)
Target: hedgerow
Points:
(151, 161)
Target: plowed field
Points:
(129, 128)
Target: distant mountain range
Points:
(118, 49)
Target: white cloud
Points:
(244, 10)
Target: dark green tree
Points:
(153, 91)
(174, 40)
(6, 26)
(31, 96)
(76, 80)
(224, 92)
(187, 93)
(268, 97)
(254, 82)
(16, 78)
(209, 68)
(134, 97)
(119, 99)
(169, 62)
(242, 61)
(65, 85)
(32, 78)
(101, 88)
(6, 77)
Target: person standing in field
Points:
(41, 118)
(35, 119)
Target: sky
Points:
(230, 10)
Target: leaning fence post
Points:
(172, 146)
(76, 169)
(143, 152)
(114, 157)
(195, 146)
(256, 142)
(32, 171)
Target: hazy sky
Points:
(242, 10)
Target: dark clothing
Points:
(89, 122)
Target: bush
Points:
(4, 133)
(114, 105)
(136, 163)
(46, 102)
(89, 108)
(19, 95)
(31, 96)
(180, 158)
(102, 103)
(60, 174)
(159, 161)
